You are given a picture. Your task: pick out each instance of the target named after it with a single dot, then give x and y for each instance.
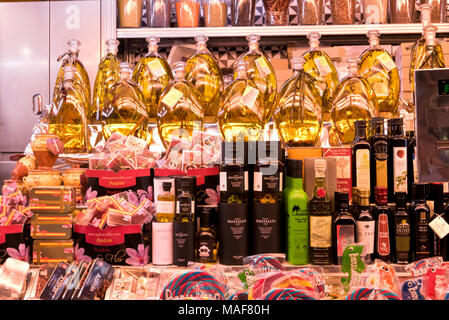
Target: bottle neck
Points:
(254, 46)
(204, 221)
(361, 133)
(374, 43)
(396, 130)
(378, 129)
(295, 183)
(152, 48)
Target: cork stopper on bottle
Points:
(178, 70)
(112, 46)
(241, 69)
(430, 35)
(297, 63)
(125, 70)
(373, 38)
(426, 13)
(152, 42)
(353, 66)
(74, 45)
(201, 42)
(253, 41)
(314, 40)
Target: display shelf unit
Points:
(278, 31)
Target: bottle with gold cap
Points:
(241, 108)
(261, 72)
(179, 113)
(319, 65)
(108, 74)
(298, 114)
(124, 110)
(377, 66)
(70, 57)
(68, 117)
(203, 72)
(354, 99)
(152, 74)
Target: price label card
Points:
(386, 61)
(156, 68)
(262, 66)
(322, 65)
(172, 97)
(440, 227)
(249, 98)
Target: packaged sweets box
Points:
(51, 226)
(107, 183)
(118, 245)
(52, 251)
(52, 200)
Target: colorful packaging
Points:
(51, 226)
(52, 200)
(55, 284)
(120, 245)
(52, 251)
(97, 281)
(107, 183)
(343, 161)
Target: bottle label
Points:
(249, 98)
(297, 234)
(422, 234)
(321, 231)
(400, 169)
(156, 68)
(362, 168)
(402, 230)
(383, 235)
(185, 205)
(165, 207)
(234, 181)
(172, 97)
(386, 61)
(267, 183)
(345, 237)
(365, 234)
(380, 151)
(205, 249)
(440, 227)
(262, 66)
(322, 65)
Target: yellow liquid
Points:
(108, 74)
(125, 112)
(181, 119)
(266, 83)
(326, 77)
(354, 100)
(423, 59)
(81, 78)
(203, 73)
(152, 78)
(68, 119)
(385, 83)
(299, 111)
(236, 120)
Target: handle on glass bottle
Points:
(37, 97)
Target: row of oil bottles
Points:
(125, 98)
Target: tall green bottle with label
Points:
(295, 207)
